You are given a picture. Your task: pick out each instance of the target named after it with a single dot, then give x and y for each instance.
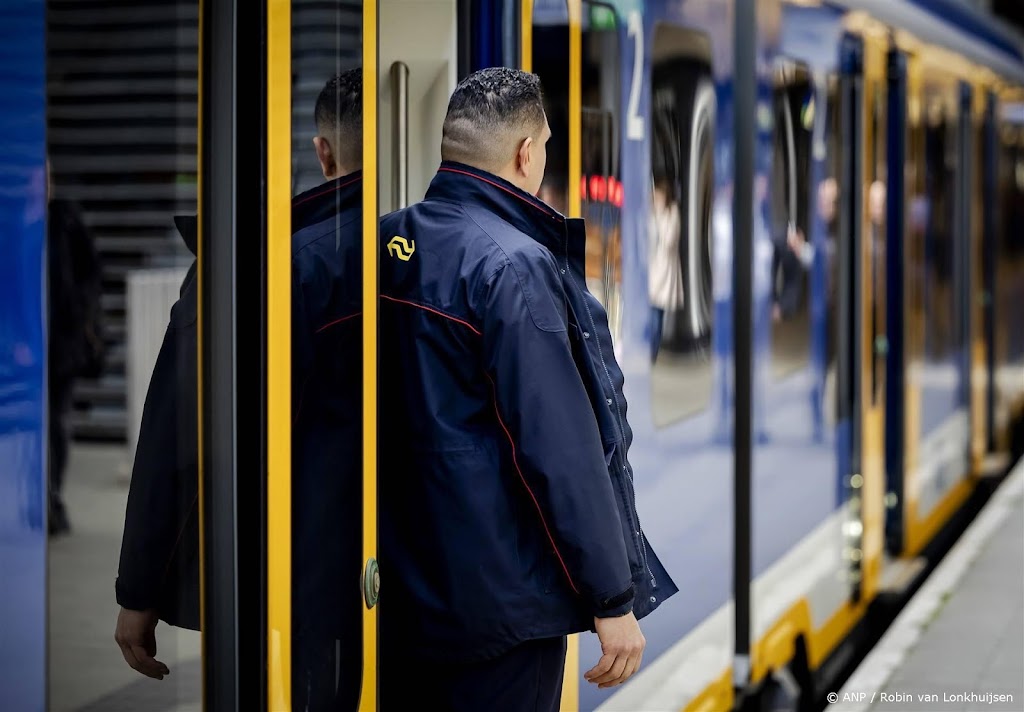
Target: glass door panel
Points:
(322, 626)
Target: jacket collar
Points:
(326, 200)
(188, 228)
(459, 183)
(309, 208)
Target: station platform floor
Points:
(86, 670)
(958, 644)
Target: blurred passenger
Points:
(828, 212)
(665, 265)
(791, 260)
(158, 577)
(75, 334)
(506, 512)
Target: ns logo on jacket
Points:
(401, 248)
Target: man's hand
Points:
(136, 636)
(623, 646)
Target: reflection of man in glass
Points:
(327, 410)
(665, 267)
(158, 574)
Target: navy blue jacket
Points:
(159, 564)
(506, 499)
(327, 415)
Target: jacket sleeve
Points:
(164, 484)
(546, 414)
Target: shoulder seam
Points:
(519, 278)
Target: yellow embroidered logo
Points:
(401, 248)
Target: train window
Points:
(792, 255)
(939, 302)
(678, 245)
(933, 328)
(1009, 278)
(914, 243)
(326, 385)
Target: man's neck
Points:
(507, 173)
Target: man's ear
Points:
(325, 156)
(524, 157)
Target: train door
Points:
(989, 192)
(860, 404)
(897, 140)
(289, 578)
(284, 554)
(874, 344)
(974, 130)
(848, 289)
(938, 271)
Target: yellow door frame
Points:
(368, 699)
(279, 368)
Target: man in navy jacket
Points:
(158, 575)
(507, 518)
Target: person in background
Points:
(76, 346)
(665, 267)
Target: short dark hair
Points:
(489, 113)
(339, 116)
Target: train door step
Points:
(900, 574)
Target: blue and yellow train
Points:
(886, 257)
(884, 361)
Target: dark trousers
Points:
(655, 327)
(527, 678)
(59, 408)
